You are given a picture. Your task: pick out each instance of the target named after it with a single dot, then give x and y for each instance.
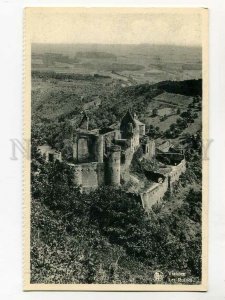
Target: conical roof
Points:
(128, 118)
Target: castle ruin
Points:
(103, 157)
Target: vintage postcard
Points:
(116, 127)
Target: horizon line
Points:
(117, 44)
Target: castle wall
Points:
(149, 152)
(136, 139)
(142, 130)
(154, 194)
(176, 172)
(49, 153)
(164, 146)
(128, 156)
(83, 152)
(108, 139)
(157, 191)
(88, 175)
(87, 148)
(151, 146)
(101, 173)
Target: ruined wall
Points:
(149, 150)
(135, 139)
(87, 148)
(80, 149)
(88, 175)
(157, 191)
(164, 146)
(108, 139)
(154, 194)
(126, 162)
(142, 130)
(101, 174)
(83, 152)
(49, 153)
(175, 173)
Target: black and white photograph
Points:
(116, 118)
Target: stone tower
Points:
(113, 174)
(127, 126)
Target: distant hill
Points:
(95, 54)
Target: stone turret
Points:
(113, 173)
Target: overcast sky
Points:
(111, 27)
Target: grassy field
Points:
(173, 100)
(163, 125)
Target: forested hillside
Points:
(57, 102)
(59, 96)
(82, 238)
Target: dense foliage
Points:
(106, 236)
(187, 87)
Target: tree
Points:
(182, 123)
(154, 132)
(154, 112)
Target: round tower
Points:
(114, 166)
